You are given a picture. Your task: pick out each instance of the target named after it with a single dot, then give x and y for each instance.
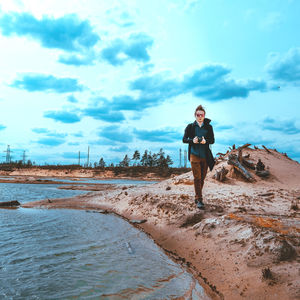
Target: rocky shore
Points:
(244, 245)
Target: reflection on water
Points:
(71, 254)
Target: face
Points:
(200, 115)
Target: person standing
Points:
(199, 135)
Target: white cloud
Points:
(271, 20)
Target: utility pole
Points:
(180, 158)
(24, 157)
(79, 158)
(88, 157)
(185, 158)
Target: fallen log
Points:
(10, 204)
(248, 163)
(233, 160)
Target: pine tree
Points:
(161, 158)
(169, 161)
(102, 163)
(136, 156)
(144, 160)
(150, 160)
(154, 160)
(125, 162)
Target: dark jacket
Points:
(189, 135)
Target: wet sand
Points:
(244, 245)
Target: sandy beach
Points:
(244, 245)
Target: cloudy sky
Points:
(122, 75)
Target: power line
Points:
(88, 157)
(185, 158)
(8, 154)
(180, 158)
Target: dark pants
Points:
(199, 168)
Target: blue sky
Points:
(124, 75)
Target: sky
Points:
(118, 76)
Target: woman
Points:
(199, 135)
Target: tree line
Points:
(148, 159)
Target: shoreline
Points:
(243, 245)
(80, 203)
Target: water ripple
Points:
(70, 254)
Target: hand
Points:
(195, 140)
(203, 141)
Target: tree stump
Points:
(260, 166)
(221, 174)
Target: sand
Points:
(244, 245)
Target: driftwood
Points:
(266, 149)
(248, 163)
(255, 147)
(284, 154)
(266, 194)
(260, 169)
(221, 175)
(220, 157)
(264, 173)
(240, 149)
(221, 154)
(138, 221)
(240, 155)
(233, 160)
(244, 159)
(244, 146)
(10, 204)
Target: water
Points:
(30, 192)
(72, 254)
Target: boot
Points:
(198, 190)
(200, 204)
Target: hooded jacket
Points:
(189, 135)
